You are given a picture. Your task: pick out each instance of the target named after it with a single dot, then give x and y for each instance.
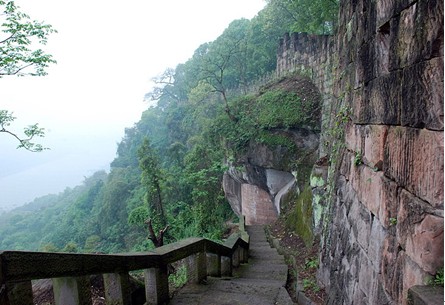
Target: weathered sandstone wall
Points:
(263, 176)
(381, 78)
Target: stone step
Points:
(259, 245)
(263, 271)
(256, 244)
(255, 230)
(259, 282)
(265, 253)
(234, 292)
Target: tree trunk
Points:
(158, 240)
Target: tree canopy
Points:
(18, 38)
(18, 56)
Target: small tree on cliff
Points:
(152, 179)
(17, 57)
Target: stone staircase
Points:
(259, 282)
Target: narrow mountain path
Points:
(259, 282)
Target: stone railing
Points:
(70, 273)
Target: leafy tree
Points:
(31, 132)
(70, 247)
(222, 64)
(164, 85)
(311, 16)
(49, 247)
(152, 179)
(17, 57)
(19, 33)
(92, 243)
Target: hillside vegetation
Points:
(169, 165)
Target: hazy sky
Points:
(107, 53)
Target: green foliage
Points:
(258, 115)
(31, 132)
(312, 263)
(279, 108)
(309, 284)
(179, 278)
(152, 179)
(437, 280)
(273, 140)
(311, 16)
(138, 216)
(19, 33)
(49, 247)
(358, 159)
(299, 219)
(70, 247)
(392, 221)
(92, 244)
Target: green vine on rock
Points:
(335, 144)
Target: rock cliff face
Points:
(264, 175)
(381, 77)
(279, 156)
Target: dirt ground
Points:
(302, 261)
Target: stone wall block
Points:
(376, 241)
(393, 262)
(353, 137)
(411, 211)
(257, 206)
(425, 246)
(360, 220)
(372, 287)
(385, 10)
(346, 165)
(389, 204)
(377, 102)
(414, 160)
(432, 19)
(412, 275)
(365, 65)
(359, 297)
(374, 145)
(383, 42)
(422, 95)
(419, 33)
(406, 48)
(380, 101)
(347, 195)
(367, 275)
(369, 187)
(379, 294)
(358, 106)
